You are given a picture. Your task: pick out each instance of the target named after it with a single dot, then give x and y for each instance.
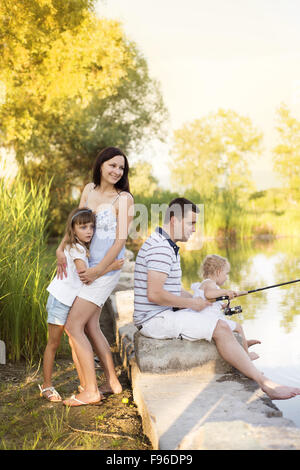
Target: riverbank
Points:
(29, 422)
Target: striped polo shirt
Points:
(158, 253)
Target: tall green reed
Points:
(25, 267)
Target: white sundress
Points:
(103, 239)
(210, 315)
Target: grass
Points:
(29, 422)
(25, 268)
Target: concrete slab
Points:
(184, 411)
(162, 356)
(187, 406)
(239, 435)
(120, 307)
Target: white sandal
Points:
(54, 393)
(80, 403)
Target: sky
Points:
(242, 55)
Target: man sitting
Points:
(163, 309)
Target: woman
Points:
(109, 197)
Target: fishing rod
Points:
(238, 309)
(270, 287)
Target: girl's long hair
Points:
(82, 215)
(103, 156)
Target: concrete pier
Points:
(190, 398)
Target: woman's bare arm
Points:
(124, 219)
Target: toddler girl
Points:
(62, 292)
(215, 273)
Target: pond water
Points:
(272, 316)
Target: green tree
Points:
(53, 51)
(74, 84)
(142, 182)
(213, 152)
(287, 152)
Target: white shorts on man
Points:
(186, 323)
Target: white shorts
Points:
(99, 291)
(186, 323)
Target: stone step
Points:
(189, 398)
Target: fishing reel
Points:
(230, 310)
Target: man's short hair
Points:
(179, 207)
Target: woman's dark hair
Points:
(103, 156)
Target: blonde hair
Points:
(212, 264)
(80, 216)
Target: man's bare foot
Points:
(279, 392)
(111, 388)
(251, 342)
(253, 356)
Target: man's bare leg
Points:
(230, 349)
